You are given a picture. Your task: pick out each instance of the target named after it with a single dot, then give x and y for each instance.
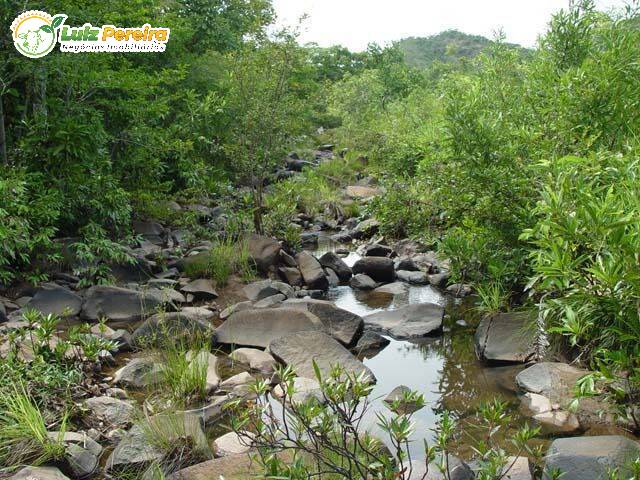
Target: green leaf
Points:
(46, 28)
(58, 20)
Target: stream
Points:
(443, 368)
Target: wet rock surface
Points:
(412, 321)
(505, 337)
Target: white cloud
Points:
(355, 23)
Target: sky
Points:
(355, 23)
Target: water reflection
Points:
(444, 369)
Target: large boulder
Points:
(232, 443)
(263, 251)
(51, 298)
(175, 326)
(344, 326)
(413, 321)
(258, 327)
(505, 337)
(334, 262)
(591, 458)
(379, 268)
(301, 349)
(151, 231)
(312, 272)
(120, 304)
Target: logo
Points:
(36, 33)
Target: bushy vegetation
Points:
(521, 167)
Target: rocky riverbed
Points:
(387, 311)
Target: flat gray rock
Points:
(257, 328)
(395, 288)
(344, 326)
(258, 360)
(39, 473)
(51, 298)
(505, 337)
(412, 321)
(120, 304)
(590, 458)
(300, 350)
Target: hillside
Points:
(445, 47)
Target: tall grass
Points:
(226, 257)
(24, 437)
(184, 374)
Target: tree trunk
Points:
(3, 135)
(258, 208)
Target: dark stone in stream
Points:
(362, 282)
(409, 322)
(378, 268)
(335, 263)
(266, 288)
(312, 272)
(397, 401)
(370, 341)
(413, 277)
(505, 337)
(377, 250)
(591, 458)
(299, 350)
(407, 264)
(332, 278)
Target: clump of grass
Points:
(492, 298)
(184, 374)
(226, 257)
(24, 438)
(180, 438)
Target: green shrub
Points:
(585, 249)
